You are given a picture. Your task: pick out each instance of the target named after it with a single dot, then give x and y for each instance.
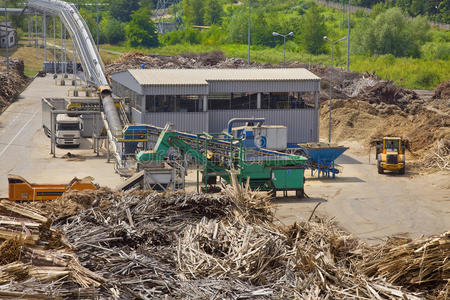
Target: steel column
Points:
(44, 25)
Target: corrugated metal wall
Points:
(299, 122)
(230, 86)
(136, 116)
(194, 122)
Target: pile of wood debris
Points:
(36, 258)
(11, 84)
(439, 156)
(196, 246)
(442, 91)
(215, 59)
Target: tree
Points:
(261, 34)
(314, 30)
(193, 11)
(417, 7)
(114, 31)
(149, 4)
(141, 31)
(391, 33)
(122, 9)
(213, 12)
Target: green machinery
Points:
(220, 154)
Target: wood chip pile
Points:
(194, 246)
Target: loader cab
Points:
(392, 145)
(391, 155)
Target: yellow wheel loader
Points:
(391, 155)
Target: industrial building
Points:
(7, 34)
(203, 100)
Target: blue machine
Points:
(132, 135)
(321, 158)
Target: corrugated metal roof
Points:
(167, 77)
(202, 76)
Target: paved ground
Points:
(24, 149)
(373, 206)
(366, 204)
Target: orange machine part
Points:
(22, 190)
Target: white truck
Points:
(68, 129)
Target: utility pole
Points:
(44, 25)
(249, 31)
(98, 45)
(348, 39)
(7, 39)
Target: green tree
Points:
(314, 30)
(149, 4)
(122, 9)
(213, 12)
(193, 11)
(391, 33)
(114, 31)
(141, 31)
(90, 19)
(261, 34)
(417, 7)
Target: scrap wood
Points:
(419, 264)
(23, 211)
(438, 156)
(149, 245)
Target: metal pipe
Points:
(260, 121)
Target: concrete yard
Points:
(364, 203)
(24, 148)
(372, 206)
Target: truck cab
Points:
(68, 130)
(391, 155)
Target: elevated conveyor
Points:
(90, 60)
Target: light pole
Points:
(348, 38)
(331, 81)
(7, 39)
(98, 42)
(249, 23)
(284, 42)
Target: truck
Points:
(68, 128)
(390, 153)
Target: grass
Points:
(32, 57)
(406, 72)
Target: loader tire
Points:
(380, 170)
(402, 171)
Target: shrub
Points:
(426, 78)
